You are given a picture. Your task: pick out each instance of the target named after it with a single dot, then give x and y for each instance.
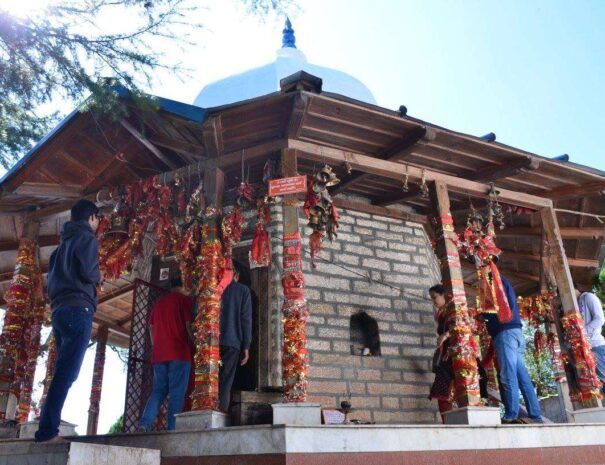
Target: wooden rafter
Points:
(300, 106)
(143, 140)
(572, 191)
(212, 135)
(395, 170)
(45, 190)
(396, 152)
(575, 262)
(43, 241)
(189, 149)
(566, 233)
(506, 169)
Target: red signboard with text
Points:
(285, 186)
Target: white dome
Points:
(265, 79)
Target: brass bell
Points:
(118, 225)
(314, 221)
(317, 210)
(319, 186)
(325, 173)
(333, 180)
(348, 168)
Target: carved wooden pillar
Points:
(571, 321)
(294, 310)
(207, 323)
(463, 346)
(97, 381)
(20, 338)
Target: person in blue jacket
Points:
(73, 275)
(509, 344)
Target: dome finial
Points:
(288, 38)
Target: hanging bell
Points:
(318, 210)
(348, 168)
(325, 173)
(118, 225)
(314, 221)
(332, 180)
(318, 186)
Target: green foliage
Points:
(61, 54)
(117, 427)
(539, 366)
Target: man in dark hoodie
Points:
(236, 334)
(73, 275)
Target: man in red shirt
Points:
(172, 339)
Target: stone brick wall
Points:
(372, 250)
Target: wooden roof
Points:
(85, 154)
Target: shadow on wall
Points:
(364, 335)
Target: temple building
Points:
(399, 190)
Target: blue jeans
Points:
(599, 355)
(71, 328)
(510, 347)
(169, 378)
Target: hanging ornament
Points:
(405, 187)
(320, 209)
(347, 166)
(260, 251)
(424, 188)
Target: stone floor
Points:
(555, 444)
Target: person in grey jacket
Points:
(591, 310)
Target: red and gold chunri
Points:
(583, 358)
(207, 322)
(295, 313)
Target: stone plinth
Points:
(476, 416)
(588, 415)
(28, 429)
(297, 414)
(9, 429)
(201, 419)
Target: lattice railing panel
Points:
(139, 379)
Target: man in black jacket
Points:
(236, 334)
(73, 275)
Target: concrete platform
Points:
(27, 452)
(554, 444)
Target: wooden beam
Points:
(300, 105)
(381, 211)
(143, 140)
(395, 170)
(566, 233)
(183, 147)
(397, 196)
(43, 241)
(401, 149)
(45, 190)
(212, 136)
(560, 265)
(114, 328)
(573, 191)
(505, 170)
(575, 262)
(107, 297)
(451, 272)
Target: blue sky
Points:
(532, 72)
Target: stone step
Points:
(25, 452)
